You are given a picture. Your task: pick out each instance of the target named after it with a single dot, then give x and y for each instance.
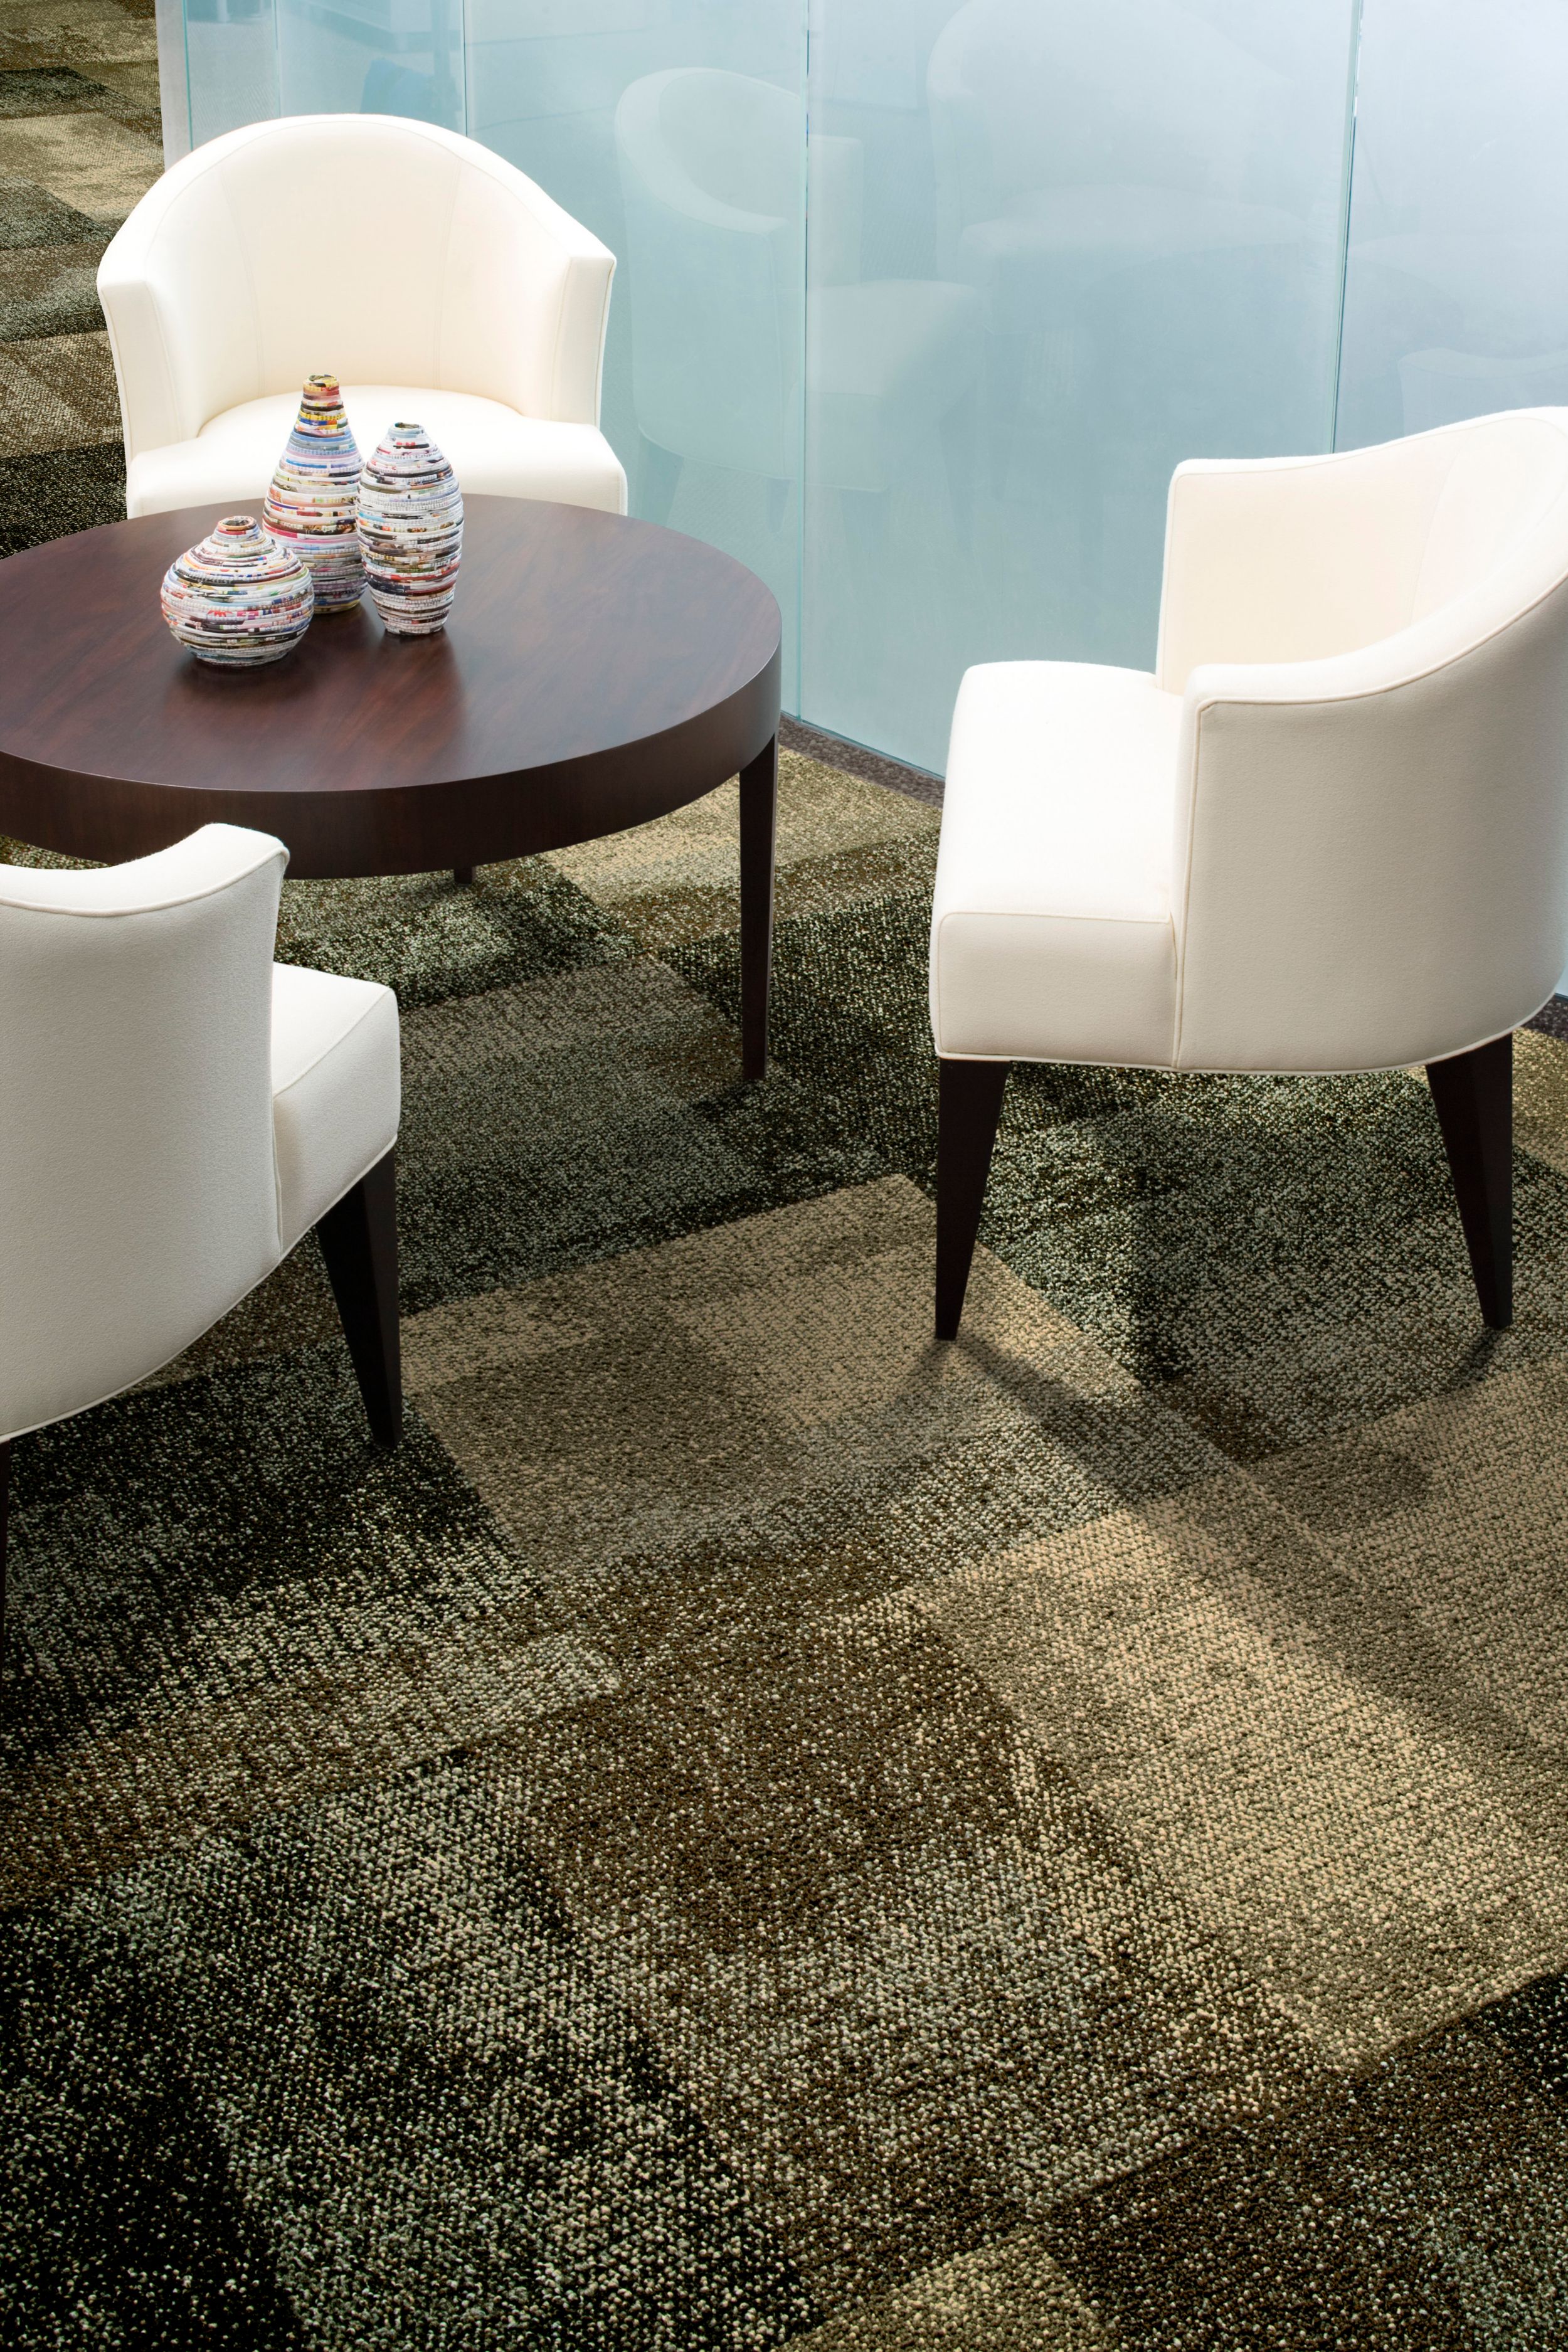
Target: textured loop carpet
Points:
(751, 1827)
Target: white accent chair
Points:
(175, 1111)
(429, 276)
(1330, 832)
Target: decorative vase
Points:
(239, 597)
(312, 506)
(411, 528)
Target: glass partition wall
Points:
(920, 302)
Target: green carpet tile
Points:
(751, 1827)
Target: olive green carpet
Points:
(751, 1827)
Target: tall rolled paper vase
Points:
(411, 528)
(239, 597)
(312, 506)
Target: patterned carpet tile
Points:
(838, 843)
(1375, 1879)
(74, 488)
(773, 1373)
(1009, 2296)
(50, 289)
(57, 392)
(97, 165)
(42, 35)
(358, 2072)
(224, 1599)
(1418, 2207)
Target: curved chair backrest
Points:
(138, 1195)
(387, 250)
(1371, 821)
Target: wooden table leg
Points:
(759, 799)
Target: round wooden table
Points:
(595, 672)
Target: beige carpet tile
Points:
(1006, 2297)
(1370, 1874)
(50, 289)
(797, 1861)
(76, 34)
(839, 840)
(627, 1408)
(58, 392)
(87, 161)
(1448, 1522)
(30, 217)
(190, 1665)
(1541, 1096)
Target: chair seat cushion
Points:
(1052, 937)
(492, 449)
(335, 1088)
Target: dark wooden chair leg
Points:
(1474, 1097)
(462, 875)
(759, 804)
(359, 1243)
(5, 1529)
(970, 1108)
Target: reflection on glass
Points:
(230, 53)
(1457, 290)
(1143, 200)
(372, 56)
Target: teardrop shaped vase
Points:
(411, 528)
(312, 506)
(239, 597)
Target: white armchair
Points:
(1330, 832)
(175, 1111)
(430, 277)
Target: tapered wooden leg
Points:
(462, 875)
(4, 1519)
(359, 1243)
(759, 801)
(970, 1108)
(1474, 1096)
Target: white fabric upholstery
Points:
(444, 271)
(335, 1088)
(492, 449)
(1341, 799)
(139, 1178)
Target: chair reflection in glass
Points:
(712, 170)
(1129, 187)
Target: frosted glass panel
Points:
(1457, 296)
(1054, 249)
(676, 131)
(230, 51)
(372, 56)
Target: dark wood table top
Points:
(595, 672)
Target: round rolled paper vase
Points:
(239, 597)
(312, 506)
(411, 528)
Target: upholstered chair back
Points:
(138, 1192)
(386, 250)
(1371, 805)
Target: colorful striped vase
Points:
(239, 597)
(312, 506)
(411, 528)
